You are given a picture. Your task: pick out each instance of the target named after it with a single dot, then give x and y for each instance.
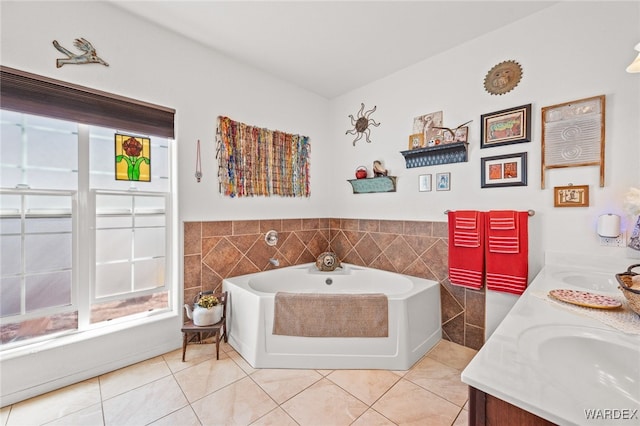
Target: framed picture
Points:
(573, 135)
(424, 183)
(506, 127)
(426, 124)
(416, 141)
(571, 196)
(443, 181)
(504, 170)
(456, 135)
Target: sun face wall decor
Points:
(361, 124)
(503, 77)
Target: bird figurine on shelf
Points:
(378, 170)
(453, 131)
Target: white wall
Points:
(156, 66)
(569, 51)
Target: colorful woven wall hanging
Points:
(254, 161)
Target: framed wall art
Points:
(424, 183)
(503, 170)
(443, 181)
(506, 127)
(428, 124)
(573, 135)
(416, 141)
(571, 196)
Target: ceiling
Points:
(331, 47)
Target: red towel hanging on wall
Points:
(466, 248)
(507, 251)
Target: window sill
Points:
(80, 336)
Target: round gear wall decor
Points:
(503, 77)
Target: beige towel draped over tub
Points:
(331, 315)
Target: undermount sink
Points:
(588, 280)
(586, 358)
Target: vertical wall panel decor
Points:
(254, 161)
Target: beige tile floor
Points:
(202, 391)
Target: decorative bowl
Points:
(630, 287)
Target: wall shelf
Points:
(435, 155)
(376, 184)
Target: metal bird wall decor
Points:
(88, 57)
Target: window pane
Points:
(10, 116)
(39, 203)
(39, 327)
(38, 151)
(11, 259)
(51, 179)
(121, 308)
(149, 274)
(10, 204)
(52, 148)
(9, 296)
(10, 176)
(102, 160)
(48, 290)
(114, 203)
(37, 256)
(111, 279)
(47, 252)
(113, 244)
(149, 242)
(150, 220)
(10, 225)
(130, 238)
(52, 124)
(145, 204)
(48, 225)
(103, 222)
(11, 130)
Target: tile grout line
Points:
(228, 350)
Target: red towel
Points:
(507, 251)
(466, 248)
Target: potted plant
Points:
(206, 311)
(208, 301)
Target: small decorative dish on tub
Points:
(630, 286)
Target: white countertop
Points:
(559, 364)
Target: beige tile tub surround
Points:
(217, 250)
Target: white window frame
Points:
(23, 214)
(132, 293)
(83, 246)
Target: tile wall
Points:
(217, 250)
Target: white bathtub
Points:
(414, 319)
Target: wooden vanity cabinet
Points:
(487, 410)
